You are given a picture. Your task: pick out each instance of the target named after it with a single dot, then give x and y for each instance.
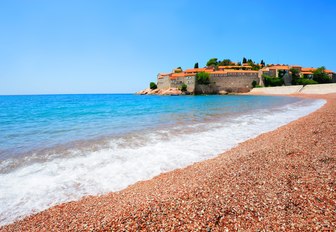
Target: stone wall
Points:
(206, 89)
(163, 83)
(190, 81)
(234, 82)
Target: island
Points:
(223, 77)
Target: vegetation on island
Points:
(254, 84)
(203, 78)
(178, 70)
(152, 85)
(295, 76)
(184, 87)
(320, 76)
(272, 81)
(214, 62)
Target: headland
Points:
(225, 77)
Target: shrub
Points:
(212, 62)
(305, 81)
(184, 87)
(203, 78)
(295, 75)
(254, 84)
(152, 85)
(320, 76)
(273, 81)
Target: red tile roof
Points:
(308, 69)
(195, 70)
(282, 67)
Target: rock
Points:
(171, 91)
(223, 92)
(144, 92)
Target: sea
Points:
(60, 148)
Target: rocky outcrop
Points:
(170, 91)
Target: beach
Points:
(280, 180)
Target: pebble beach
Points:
(279, 181)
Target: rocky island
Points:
(222, 77)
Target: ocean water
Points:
(59, 148)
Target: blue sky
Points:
(107, 46)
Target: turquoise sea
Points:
(58, 148)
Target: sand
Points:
(281, 180)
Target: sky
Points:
(109, 46)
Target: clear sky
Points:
(109, 46)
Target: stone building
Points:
(225, 79)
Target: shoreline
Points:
(233, 197)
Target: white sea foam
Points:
(35, 187)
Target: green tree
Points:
(254, 83)
(196, 65)
(212, 62)
(320, 76)
(272, 81)
(178, 70)
(295, 75)
(281, 73)
(305, 81)
(262, 62)
(203, 78)
(225, 62)
(244, 60)
(184, 87)
(152, 85)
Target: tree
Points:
(196, 65)
(272, 81)
(305, 81)
(254, 83)
(178, 70)
(184, 87)
(295, 75)
(262, 62)
(152, 85)
(281, 73)
(239, 63)
(203, 78)
(320, 76)
(212, 62)
(225, 62)
(244, 60)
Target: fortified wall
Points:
(234, 81)
(220, 81)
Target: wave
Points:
(38, 182)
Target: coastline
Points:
(250, 186)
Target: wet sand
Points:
(281, 180)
